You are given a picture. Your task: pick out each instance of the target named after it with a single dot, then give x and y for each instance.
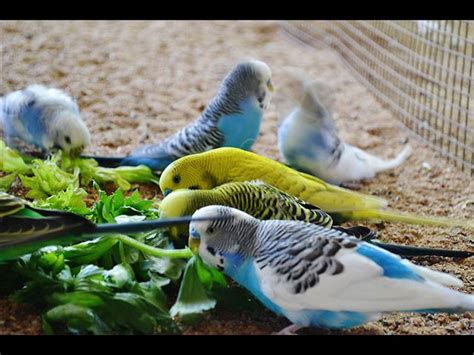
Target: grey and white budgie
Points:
(316, 276)
(43, 118)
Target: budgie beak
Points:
(270, 87)
(75, 152)
(194, 240)
(167, 192)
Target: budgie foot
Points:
(291, 330)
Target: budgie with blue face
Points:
(232, 119)
(44, 118)
(309, 142)
(319, 277)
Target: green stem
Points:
(122, 252)
(149, 250)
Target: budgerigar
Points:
(46, 118)
(256, 198)
(308, 141)
(319, 277)
(219, 166)
(24, 229)
(264, 202)
(232, 119)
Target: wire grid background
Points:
(421, 69)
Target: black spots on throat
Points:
(211, 251)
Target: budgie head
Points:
(69, 133)
(221, 241)
(249, 80)
(189, 172)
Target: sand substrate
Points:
(138, 82)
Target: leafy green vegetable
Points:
(210, 277)
(114, 284)
(48, 179)
(71, 199)
(11, 161)
(141, 174)
(87, 167)
(90, 251)
(109, 207)
(7, 181)
(192, 298)
(121, 176)
(91, 299)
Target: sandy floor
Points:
(138, 82)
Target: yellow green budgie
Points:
(256, 198)
(219, 166)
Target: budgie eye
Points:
(67, 139)
(176, 179)
(211, 250)
(210, 230)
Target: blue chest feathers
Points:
(240, 130)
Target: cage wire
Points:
(421, 69)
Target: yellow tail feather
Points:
(394, 216)
(338, 199)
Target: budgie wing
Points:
(16, 230)
(151, 150)
(14, 105)
(325, 269)
(290, 207)
(9, 204)
(337, 199)
(304, 186)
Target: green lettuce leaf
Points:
(7, 181)
(11, 161)
(48, 179)
(192, 297)
(71, 199)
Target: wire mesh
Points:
(421, 69)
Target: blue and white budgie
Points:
(308, 141)
(46, 118)
(232, 119)
(316, 276)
